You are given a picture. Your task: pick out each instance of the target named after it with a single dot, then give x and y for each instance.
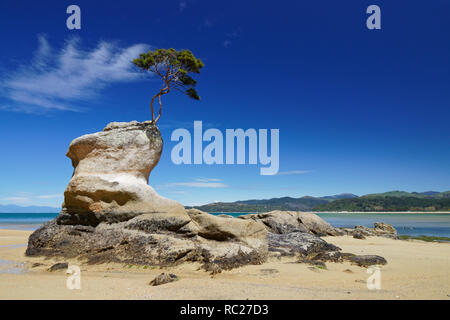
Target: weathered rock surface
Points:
(111, 214)
(289, 221)
(111, 171)
(292, 233)
(380, 229)
(293, 243)
(163, 278)
(365, 260)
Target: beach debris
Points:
(59, 266)
(164, 278)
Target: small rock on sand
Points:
(59, 266)
(163, 278)
(348, 271)
(368, 260)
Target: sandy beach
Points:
(415, 270)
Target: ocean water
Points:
(24, 221)
(405, 223)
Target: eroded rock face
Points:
(288, 221)
(380, 229)
(111, 214)
(295, 233)
(111, 171)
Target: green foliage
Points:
(387, 203)
(174, 68)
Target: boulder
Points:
(111, 214)
(380, 229)
(59, 266)
(163, 278)
(298, 243)
(364, 260)
(288, 221)
(111, 172)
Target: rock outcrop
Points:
(111, 172)
(380, 229)
(280, 222)
(111, 214)
(295, 233)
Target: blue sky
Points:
(358, 111)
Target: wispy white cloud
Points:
(58, 79)
(182, 4)
(16, 199)
(197, 183)
(29, 199)
(51, 196)
(207, 180)
(231, 36)
(282, 173)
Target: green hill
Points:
(388, 201)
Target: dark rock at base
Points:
(59, 266)
(163, 278)
(154, 240)
(302, 243)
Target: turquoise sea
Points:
(405, 223)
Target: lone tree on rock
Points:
(174, 68)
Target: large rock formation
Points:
(110, 213)
(111, 171)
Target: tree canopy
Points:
(174, 68)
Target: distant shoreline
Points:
(386, 212)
